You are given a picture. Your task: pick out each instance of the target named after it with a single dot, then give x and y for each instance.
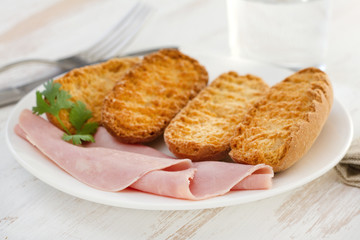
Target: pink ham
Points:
(102, 168)
(260, 179)
(210, 179)
(112, 166)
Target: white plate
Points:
(326, 152)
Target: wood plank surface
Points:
(30, 209)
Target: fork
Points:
(108, 46)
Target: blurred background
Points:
(38, 28)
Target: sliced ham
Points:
(102, 168)
(113, 166)
(204, 180)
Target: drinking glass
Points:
(289, 33)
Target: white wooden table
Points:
(30, 209)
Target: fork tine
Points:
(133, 17)
(127, 32)
(116, 29)
(117, 45)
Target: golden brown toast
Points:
(90, 84)
(203, 129)
(142, 104)
(283, 125)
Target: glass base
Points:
(322, 67)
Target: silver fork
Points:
(108, 46)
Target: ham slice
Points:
(209, 180)
(113, 166)
(102, 168)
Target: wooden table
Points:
(30, 209)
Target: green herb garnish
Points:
(52, 100)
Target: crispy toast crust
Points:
(283, 125)
(203, 129)
(90, 84)
(142, 104)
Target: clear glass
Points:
(289, 33)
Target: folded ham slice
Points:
(112, 166)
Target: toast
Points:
(203, 129)
(90, 84)
(142, 104)
(283, 125)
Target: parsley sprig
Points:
(53, 99)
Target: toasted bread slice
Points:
(142, 104)
(282, 126)
(90, 84)
(203, 129)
